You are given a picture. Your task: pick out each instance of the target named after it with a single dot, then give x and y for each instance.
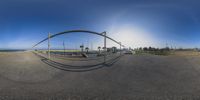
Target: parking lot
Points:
(24, 75)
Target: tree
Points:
(99, 49)
(140, 48)
(150, 48)
(145, 49)
(87, 49)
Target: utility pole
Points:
(49, 36)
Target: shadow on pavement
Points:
(73, 68)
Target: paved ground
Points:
(24, 76)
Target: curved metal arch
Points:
(76, 31)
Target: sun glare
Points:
(133, 37)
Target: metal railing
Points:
(103, 34)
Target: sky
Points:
(135, 23)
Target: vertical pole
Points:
(82, 48)
(105, 51)
(49, 35)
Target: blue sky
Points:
(133, 22)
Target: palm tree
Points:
(99, 49)
(87, 49)
(82, 46)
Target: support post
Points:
(49, 36)
(105, 50)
